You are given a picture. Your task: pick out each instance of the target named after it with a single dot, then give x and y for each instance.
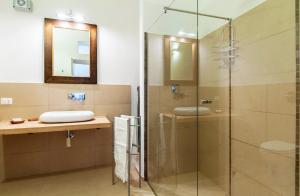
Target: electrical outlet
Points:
(6, 101)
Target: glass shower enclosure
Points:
(188, 103)
(221, 97)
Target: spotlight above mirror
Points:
(70, 16)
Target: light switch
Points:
(6, 101)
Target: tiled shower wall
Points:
(263, 98)
(264, 101)
(34, 154)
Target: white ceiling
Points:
(155, 21)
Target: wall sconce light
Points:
(70, 16)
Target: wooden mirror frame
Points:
(48, 49)
(167, 60)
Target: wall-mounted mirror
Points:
(70, 52)
(180, 60)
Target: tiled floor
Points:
(93, 182)
(186, 184)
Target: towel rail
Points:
(129, 152)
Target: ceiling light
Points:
(78, 18)
(192, 35)
(181, 33)
(62, 16)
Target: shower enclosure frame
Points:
(297, 130)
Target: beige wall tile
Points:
(267, 56)
(210, 71)
(213, 157)
(103, 155)
(263, 79)
(70, 159)
(112, 94)
(58, 94)
(25, 94)
(249, 97)
(281, 127)
(272, 170)
(249, 127)
(71, 108)
(281, 98)
(269, 18)
(25, 143)
(112, 110)
(242, 184)
(219, 96)
(27, 164)
(153, 115)
(153, 95)
(186, 146)
(82, 139)
(9, 112)
(165, 97)
(103, 137)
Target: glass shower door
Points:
(172, 103)
(216, 53)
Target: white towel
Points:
(134, 139)
(173, 145)
(134, 132)
(120, 148)
(163, 145)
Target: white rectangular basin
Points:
(66, 116)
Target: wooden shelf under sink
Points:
(6, 128)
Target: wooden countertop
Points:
(37, 127)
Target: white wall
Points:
(155, 59)
(21, 39)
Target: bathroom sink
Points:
(192, 111)
(66, 116)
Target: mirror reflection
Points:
(181, 61)
(71, 52)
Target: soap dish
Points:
(17, 121)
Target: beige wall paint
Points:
(34, 154)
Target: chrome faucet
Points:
(77, 96)
(206, 101)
